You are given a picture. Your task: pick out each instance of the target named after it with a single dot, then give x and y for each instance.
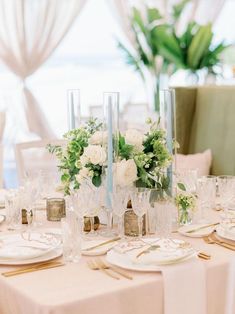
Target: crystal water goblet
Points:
(226, 188)
(140, 204)
(119, 199)
(206, 193)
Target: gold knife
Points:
(32, 269)
(202, 227)
(101, 244)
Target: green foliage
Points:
(124, 150)
(185, 201)
(181, 186)
(192, 50)
(153, 160)
(69, 157)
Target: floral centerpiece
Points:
(186, 204)
(142, 159)
(83, 157)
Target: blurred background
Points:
(88, 57)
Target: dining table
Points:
(74, 288)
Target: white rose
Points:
(83, 160)
(125, 172)
(135, 138)
(98, 138)
(83, 173)
(95, 154)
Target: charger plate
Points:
(151, 261)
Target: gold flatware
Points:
(101, 244)
(92, 265)
(209, 240)
(113, 268)
(202, 227)
(204, 255)
(214, 237)
(32, 269)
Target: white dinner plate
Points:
(20, 246)
(196, 234)
(46, 257)
(226, 233)
(151, 261)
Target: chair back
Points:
(33, 156)
(205, 118)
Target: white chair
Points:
(33, 156)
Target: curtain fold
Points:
(30, 32)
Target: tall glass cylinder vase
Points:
(111, 126)
(74, 108)
(168, 122)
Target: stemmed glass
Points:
(119, 199)
(30, 194)
(87, 202)
(140, 204)
(226, 186)
(206, 192)
(13, 212)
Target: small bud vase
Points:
(184, 216)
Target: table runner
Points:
(185, 288)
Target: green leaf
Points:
(199, 46)
(181, 186)
(137, 19)
(96, 180)
(65, 177)
(153, 14)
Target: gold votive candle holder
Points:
(131, 227)
(55, 209)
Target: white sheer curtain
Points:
(202, 11)
(30, 31)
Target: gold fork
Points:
(209, 240)
(116, 270)
(94, 266)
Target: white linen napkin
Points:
(185, 288)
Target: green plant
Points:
(160, 49)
